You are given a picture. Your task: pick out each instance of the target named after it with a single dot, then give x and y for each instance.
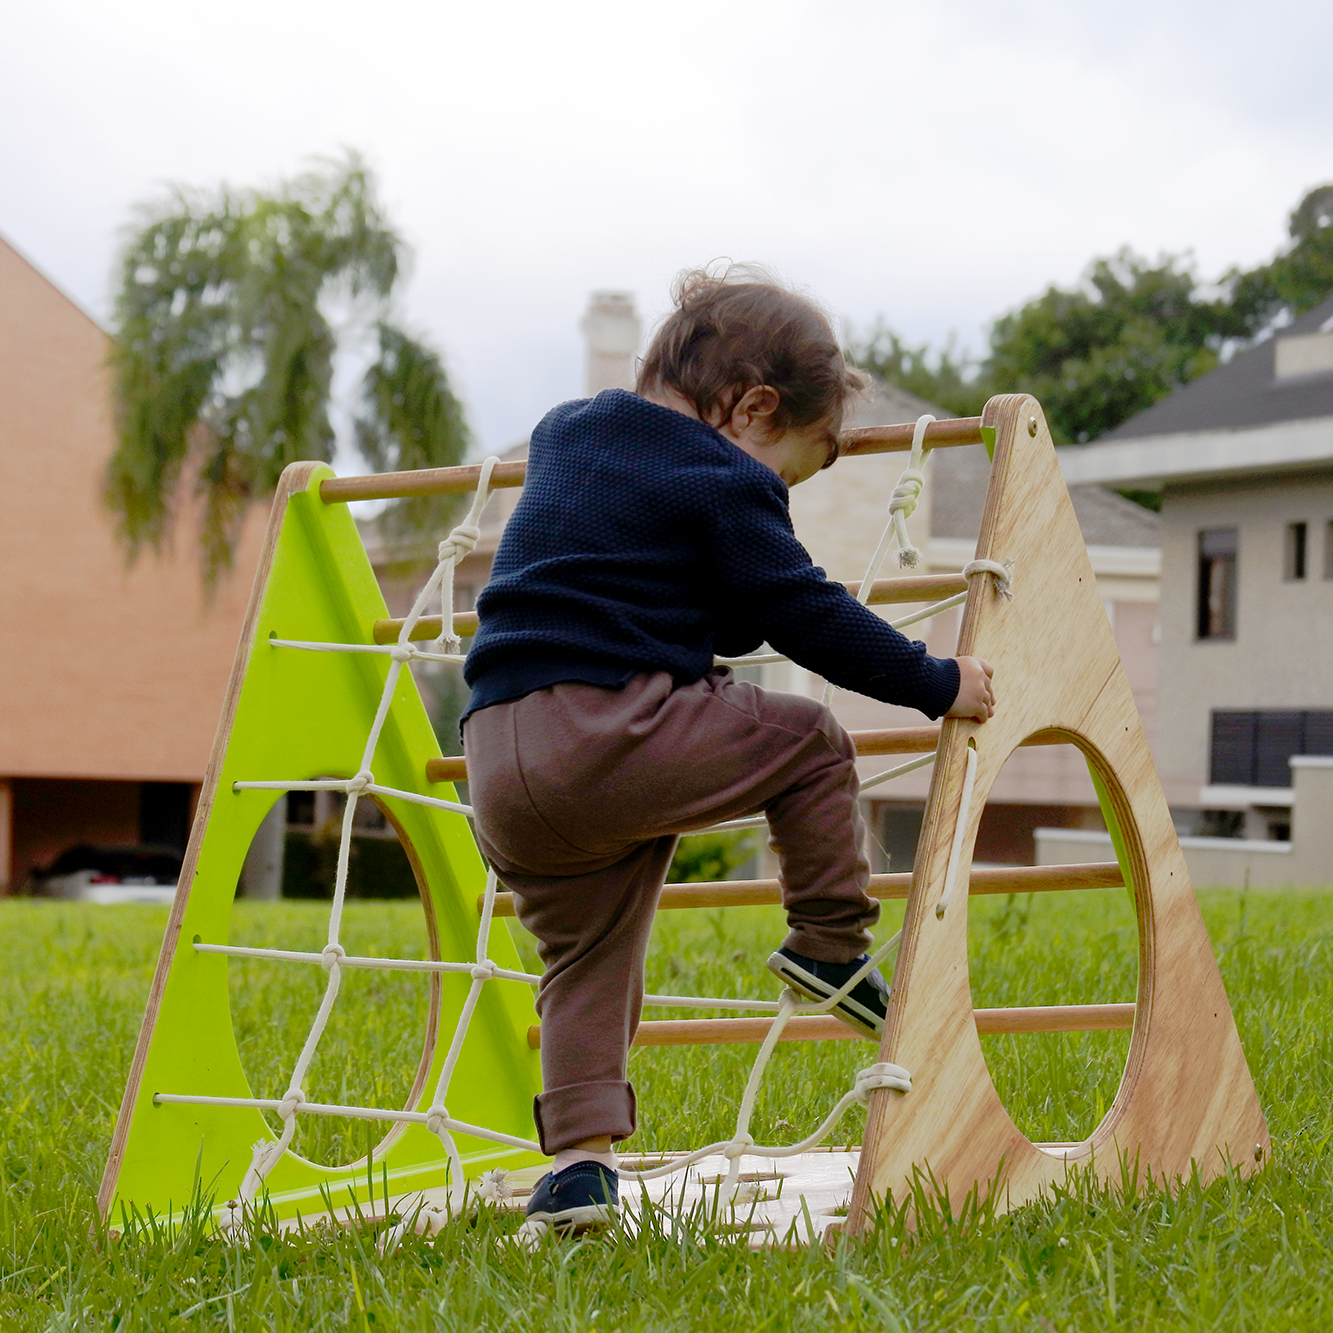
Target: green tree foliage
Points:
(1122, 340)
(947, 378)
(1302, 274)
(223, 353)
(1126, 336)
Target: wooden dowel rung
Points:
(885, 592)
(428, 627)
(455, 480)
(425, 481)
(889, 740)
(823, 1027)
(897, 740)
(1055, 1018)
(451, 769)
(768, 893)
(894, 439)
(912, 588)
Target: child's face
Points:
(796, 453)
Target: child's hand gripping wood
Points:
(976, 694)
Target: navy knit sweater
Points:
(646, 541)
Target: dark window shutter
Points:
(1318, 733)
(1233, 750)
(1278, 738)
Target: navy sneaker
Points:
(584, 1195)
(862, 1008)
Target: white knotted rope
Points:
(457, 546)
(902, 504)
(334, 958)
(1002, 570)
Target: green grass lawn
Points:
(1252, 1254)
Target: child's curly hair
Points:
(741, 328)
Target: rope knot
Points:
(360, 782)
(331, 954)
(459, 544)
(882, 1075)
(736, 1148)
(291, 1103)
(907, 492)
(1003, 572)
(435, 1119)
(902, 502)
(402, 652)
(487, 971)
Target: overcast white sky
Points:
(936, 163)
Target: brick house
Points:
(111, 678)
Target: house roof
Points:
(1244, 392)
(1242, 419)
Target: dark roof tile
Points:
(1244, 392)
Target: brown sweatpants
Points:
(580, 793)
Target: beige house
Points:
(1243, 459)
(111, 678)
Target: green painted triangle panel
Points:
(297, 715)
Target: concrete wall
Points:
(1305, 861)
(1282, 656)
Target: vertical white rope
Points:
(455, 547)
(902, 503)
(483, 970)
(788, 1004)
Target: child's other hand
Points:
(976, 695)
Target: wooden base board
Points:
(795, 1201)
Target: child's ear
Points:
(755, 407)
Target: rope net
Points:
(481, 970)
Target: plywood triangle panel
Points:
(1186, 1098)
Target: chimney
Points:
(611, 328)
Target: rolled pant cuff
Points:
(566, 1116)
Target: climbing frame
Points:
(320, 658)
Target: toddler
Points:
(652, 534)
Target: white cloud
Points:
(938, 163)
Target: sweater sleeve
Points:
(768, 583)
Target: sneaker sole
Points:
(854, 1014)
(586, 1218)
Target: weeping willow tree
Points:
(224, 351)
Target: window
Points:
(1252, 749)
(164, 814)
(1294, 561)
(1216, 618)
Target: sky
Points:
(933, 164)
